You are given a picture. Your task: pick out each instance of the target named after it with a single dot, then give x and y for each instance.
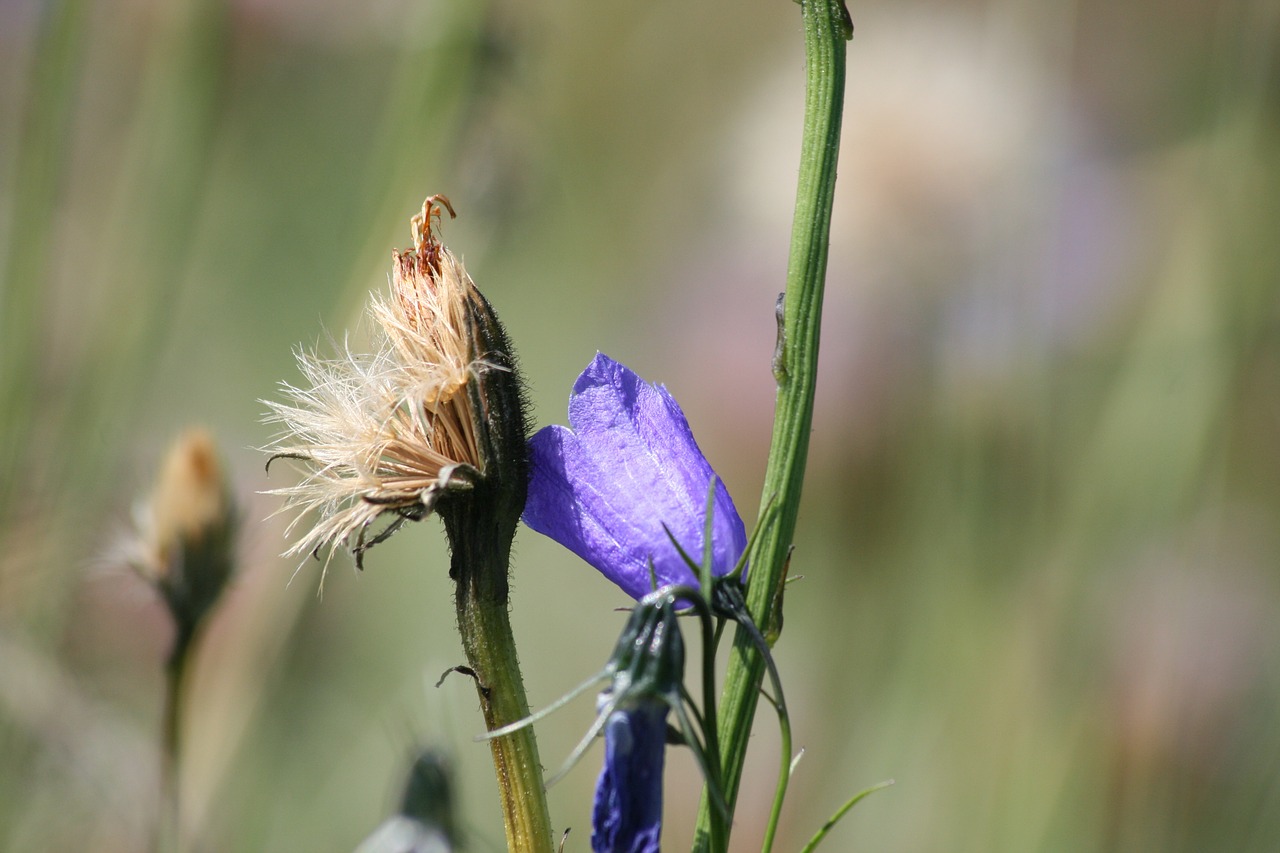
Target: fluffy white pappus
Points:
(387, 432)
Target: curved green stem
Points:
(821, 834)
(784, 748)
(826, 27)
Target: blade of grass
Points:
(841, 812)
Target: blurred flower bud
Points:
(186, 530)
(425, 823)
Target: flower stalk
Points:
(184, 546)
(432, 422)
(480, 559)
(826, 28)
(168, 830)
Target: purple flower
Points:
(627, 816)
(627, 465)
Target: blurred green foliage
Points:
(1042, 525)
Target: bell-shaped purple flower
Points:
(627, 816)
(627, 464)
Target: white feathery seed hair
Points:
(386, 432)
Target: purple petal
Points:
(628, 465)
(627, 816)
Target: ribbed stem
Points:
(826, 28)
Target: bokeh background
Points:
(1041, 528)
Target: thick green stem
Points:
(481, 556)
(827, 28)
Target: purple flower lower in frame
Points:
(627, 816)
(627, 464)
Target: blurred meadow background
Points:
(1041, 539)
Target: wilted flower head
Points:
(434, 410)
(624, 473)
(184, 544)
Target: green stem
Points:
(784, 729)
(169, 826)
(827, 28)
(718, 829)
(481, 558)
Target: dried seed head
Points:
(403, 429)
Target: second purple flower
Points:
(627, 464)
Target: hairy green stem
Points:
(826, 28)
(491, 653)
(481, 557)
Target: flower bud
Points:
(649, 655)
(425, 821)
(186, 530)
(648, 670)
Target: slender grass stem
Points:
(826, 28)
(821, 834)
